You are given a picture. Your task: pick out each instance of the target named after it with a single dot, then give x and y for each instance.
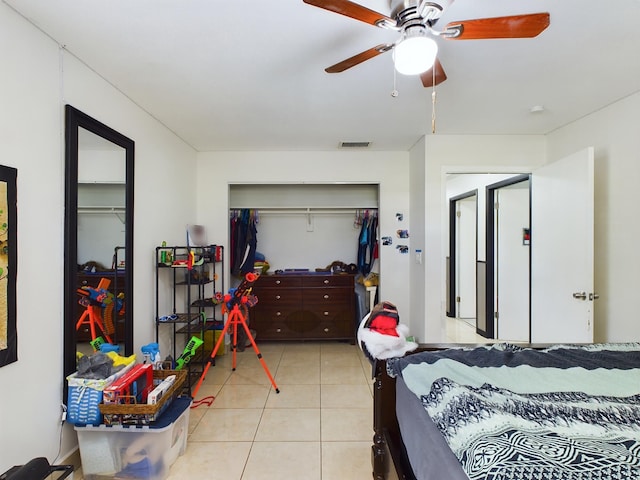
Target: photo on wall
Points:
(8, 262)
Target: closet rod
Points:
(305, 210)
(102, 210)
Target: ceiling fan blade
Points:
(353, 10)
(359, 58)
(516, 26)
(428, 78)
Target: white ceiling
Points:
(249, 75)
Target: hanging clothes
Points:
(363, 243)
(367, 242)
(244, 242)
(233, 232)
(251, 242)
(373, 242)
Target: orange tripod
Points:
(92, 314)
(237, 316)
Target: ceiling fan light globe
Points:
(414, 55)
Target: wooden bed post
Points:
(388, 455)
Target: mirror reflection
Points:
(98, 271)
(101, 238)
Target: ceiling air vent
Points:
(354, 144)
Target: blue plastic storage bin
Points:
(135, 452)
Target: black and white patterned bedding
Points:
(567, 412)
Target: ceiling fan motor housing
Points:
(426, 12)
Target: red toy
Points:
(133, 387)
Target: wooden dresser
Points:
(305, 306)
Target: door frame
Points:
(452, 283)
(489, 332)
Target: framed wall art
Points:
(8, 264)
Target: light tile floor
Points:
(318, 427)
(460, 331)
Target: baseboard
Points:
(73, 459)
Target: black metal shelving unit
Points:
(192, 309)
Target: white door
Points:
(562, 250)
(512, 262)
(466, 244)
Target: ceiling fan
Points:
(415, 52)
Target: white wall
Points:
(37, 80)
(286, 243)
(614, 133)
(30, 140)
(417, 231)
(216, 170)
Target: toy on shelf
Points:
(151, 353)
(188, 352)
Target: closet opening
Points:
(304, 231)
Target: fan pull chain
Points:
(394, 92)
(433, 101)
(433, 111)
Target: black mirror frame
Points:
(75, 119)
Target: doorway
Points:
(463, 227)
(509, 259)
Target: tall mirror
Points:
(98, 261)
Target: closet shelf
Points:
(101, 209)
(119, 211)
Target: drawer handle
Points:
(277, 297)
(278, 314)
(278, 330)
(326, 330)
(277, 282)
(326, 314)
(326, 282)
(326, 297)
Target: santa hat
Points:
(381, 335)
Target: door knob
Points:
(580, 295)
(594, 296)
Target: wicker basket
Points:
(143, 414)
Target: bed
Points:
(508, 412)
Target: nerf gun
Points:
(188, 352)
(101, 297)
(241, 294)
(151, 352)
(97, 343)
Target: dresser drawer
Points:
(327, 281)
(278, 297)
(337, 328)
(274, 314)
(326, 296)
(279, 281)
